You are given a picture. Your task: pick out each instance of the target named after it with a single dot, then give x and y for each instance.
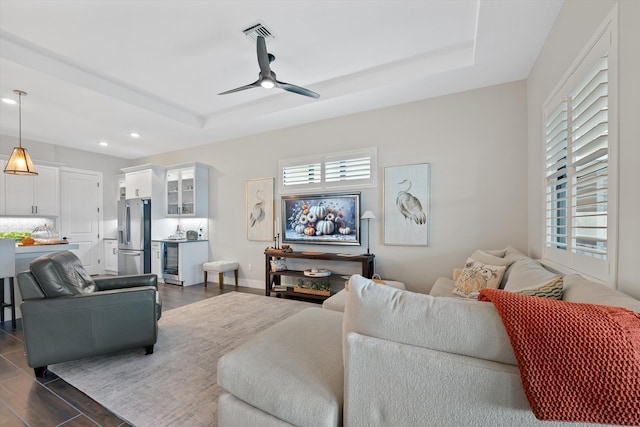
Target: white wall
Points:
(576, 23)
(475, 141)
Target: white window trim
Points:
(322, 159)
(605, 271)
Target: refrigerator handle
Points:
(127, 214)
(129, 253)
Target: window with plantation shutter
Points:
(579, 137)
(302, 174)
(334, 171)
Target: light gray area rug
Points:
(176, 385)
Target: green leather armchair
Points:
(68, 315)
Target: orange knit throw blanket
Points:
(578, 362)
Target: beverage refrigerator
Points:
(134, 236)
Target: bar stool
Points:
(8, 270)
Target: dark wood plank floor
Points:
(26, 400)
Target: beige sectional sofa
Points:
(393, 358)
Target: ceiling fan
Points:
(267, 78)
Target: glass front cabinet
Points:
(187, 190)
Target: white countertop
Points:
(33, 249)
(178, 240)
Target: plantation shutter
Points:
(556, 178)
(334, 171)
(589, 160)
(579, 170)
(302, 174)
(347, 170)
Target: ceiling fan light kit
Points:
(267, 78)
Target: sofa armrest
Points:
(72, 327)
(423, 385)
(132, 281)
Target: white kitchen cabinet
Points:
(191, 256)
(33, 195)
(147, 182)
(188, 190)
(156, 259)
(139, 184)
(110, 256)
(122, 187)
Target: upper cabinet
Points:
(146, 182)
(38, 195)
(139, 184)
(188, 190)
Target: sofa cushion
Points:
(454, 325)
(579, 289)
(293, 370)
(527, 273)
(337, 301)
(60, 274)
(476, 276)
(443, 287)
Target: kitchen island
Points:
(26, 254)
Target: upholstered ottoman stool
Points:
(220, 267)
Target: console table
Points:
(273, 278)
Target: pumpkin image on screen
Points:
(331, 219)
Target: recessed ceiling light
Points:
(103, 143)
(9, 101)
(134, 135)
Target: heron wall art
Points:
(406, 205)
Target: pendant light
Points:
(20, 163)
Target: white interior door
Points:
(81, 211)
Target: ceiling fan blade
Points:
(263, 57)
(238, 89)
(296, 89)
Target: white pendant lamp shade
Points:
(20, 162)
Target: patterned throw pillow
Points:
(476, 276)
(552, 289)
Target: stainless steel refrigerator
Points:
(134, 236)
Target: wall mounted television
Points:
(330, 219)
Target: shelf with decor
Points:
(273, 279)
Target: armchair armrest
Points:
(120, 282)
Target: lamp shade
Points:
(368, 215)
(20, 163)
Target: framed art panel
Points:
(332, 219)
(406, 205)
(260, 209)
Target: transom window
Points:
(344, 170)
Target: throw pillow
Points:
(486, 258)
(500, 253)
(551, 290)
(527, 273)
(476, 276)
(278, 264)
